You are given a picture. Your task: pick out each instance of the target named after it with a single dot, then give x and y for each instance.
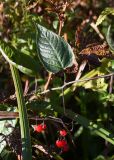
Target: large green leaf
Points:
(25, 63)
(54, 53)
(109, 39)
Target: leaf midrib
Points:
(53, 48)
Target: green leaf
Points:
(25, 63)
(4, 107)
(113, 64)
(110, 42)
(104, 15)
(54, 53)
(41, 107)
(55, 24)
(8, 155)
(38, 105)
(100, 158)
(109, 39)
(96, 85)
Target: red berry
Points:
(63, 133)
(65, 148)
(44, 126)
(61, 143)
(38, 128)
(64, 142)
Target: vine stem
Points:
(48, 81)
(75, 82)
(24, 124)
(81, 68)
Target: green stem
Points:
(24, 124)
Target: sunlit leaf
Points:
(54, 53)
(96, 85)
(112, 64)
(55, 24)
(100, 158)
(109, 39)
(104, 14)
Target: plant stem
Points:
(24, 124)
(48, 81)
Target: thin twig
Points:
(60, 27)
(32, 6)
(6, 114)
(36, 84)
(111, 84)
(60, 88)
(26, 87)
(19, 157)
(81, 68)
(93, 25)
(42, 149)
(63, 100)
(76, 81)
(48, 81)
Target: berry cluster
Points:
(62, 143)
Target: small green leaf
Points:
(25, 63)
(113, 64)
(38, 105)
(41, 107)
(109, 39)
(104, 15)
(55, 24)
(54, 53)
(96, 85)
(8, 155)
(100, 158)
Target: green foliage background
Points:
(91, 99)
